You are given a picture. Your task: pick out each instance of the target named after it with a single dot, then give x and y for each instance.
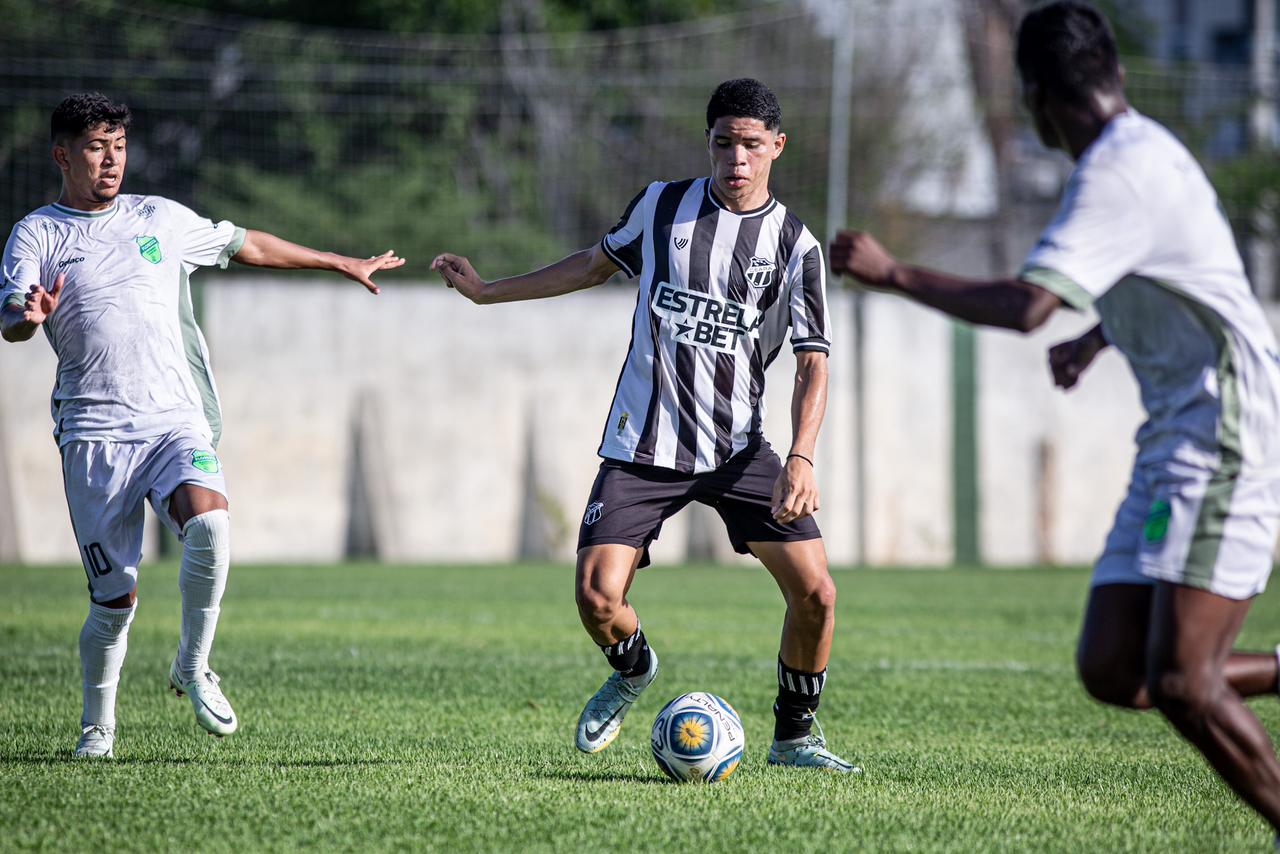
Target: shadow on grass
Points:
(20, 760)
(605, 777)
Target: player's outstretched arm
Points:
(579, 271)
(20, 322)
(795, 493)
(1007, 303)
(1068, 360)
(261, 249)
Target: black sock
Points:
(629, 656)
(799, 693)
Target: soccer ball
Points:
(698, 736)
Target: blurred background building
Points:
(416, 427)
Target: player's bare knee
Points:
(1114, 689)
(1183, 694)
(817, 602)
(595, 606)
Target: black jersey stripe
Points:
(629, 256)
(659, 234)
(699, 275)
(811, 281)
(744, 249)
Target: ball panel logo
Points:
(705, 320)
(594, 511)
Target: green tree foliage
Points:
(466, 16)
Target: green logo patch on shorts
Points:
(206, 461)
(1157, 525)
(149, 248)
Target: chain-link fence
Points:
(521, 145)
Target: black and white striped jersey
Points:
(718, 293)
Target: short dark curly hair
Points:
(1068, 48)
(84, 111)
(745, 98)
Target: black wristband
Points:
(803, 457)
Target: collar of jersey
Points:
(115, 206)
(760, 211)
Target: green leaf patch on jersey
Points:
(206, 461)
(149, 248)
(1157, 525)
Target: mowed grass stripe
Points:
(433, 708)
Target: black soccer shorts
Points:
(629, 502)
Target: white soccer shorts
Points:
(1193, 527)
(106, 483)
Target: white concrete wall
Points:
(476, 429)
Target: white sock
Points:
(103, 642)
(206, 558)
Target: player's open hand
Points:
(458, 273)
(795, 492)
(1068, 360)
(858, 254)
(41, 303)
(362, 269)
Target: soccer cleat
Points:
(600, 721)
(96, 741)
(809, 751)
(213, 712)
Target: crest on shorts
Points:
(1157, 524)
(594, 511)
(760, 272)
(206, 461)
(149, 248)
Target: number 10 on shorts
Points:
(95, 560)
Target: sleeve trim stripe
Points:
(231, 249)
(1059, 284)
(604, 244)
(819, 346)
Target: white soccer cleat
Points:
(809, 752)
(96, 742)
(213, 712)
(600, 721)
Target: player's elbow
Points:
(12, 330)
(1035, 309)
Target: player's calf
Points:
(104, 639)
(206, 560)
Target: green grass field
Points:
(433, 708)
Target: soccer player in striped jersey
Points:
(726, 274)
(135, 409)
(1140, 237)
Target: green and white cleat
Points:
(600, 721)
(96, 742)
(213, 712)
(809, 752)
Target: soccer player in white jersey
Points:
(1141, 238)
(135, 409)
(726, 273)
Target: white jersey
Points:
(1141, 236)
(132, 363)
